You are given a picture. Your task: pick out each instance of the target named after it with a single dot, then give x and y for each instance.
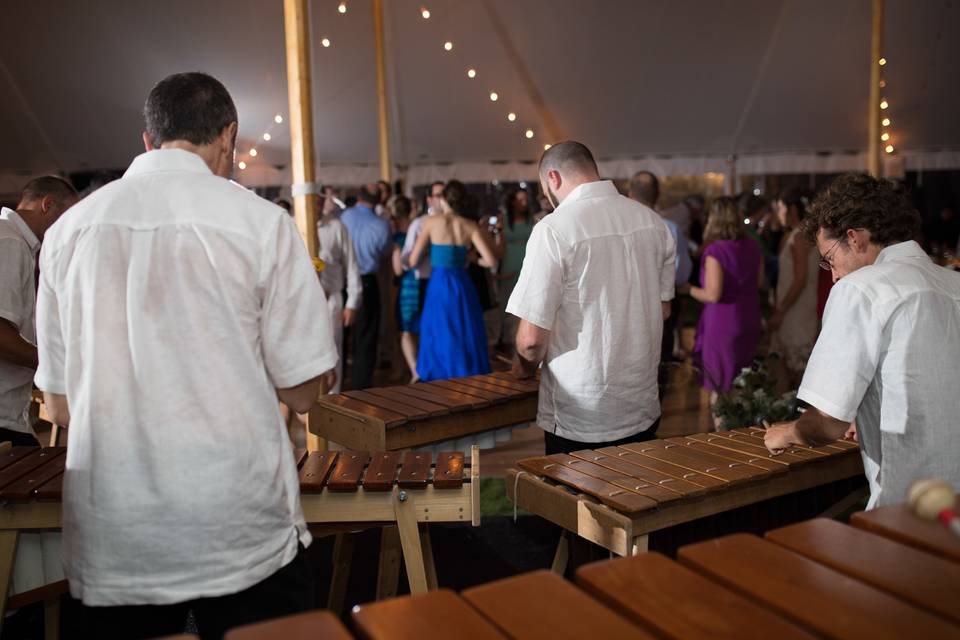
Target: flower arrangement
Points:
(752, 400)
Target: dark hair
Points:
(724, 222)
(56, 187)
(509, 200)
(568, 156)
(858, 201)
(400, 206)
(750, 205)
(645, 187)
(193, 106)
(796, 197)
(365, 194)
(456, 196)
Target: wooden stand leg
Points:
(388, 573)
(342, 557)
(54, 435)
(562, 556)
(427, 549)
(410, 542)
(51, 618)
(314, 442)
(640, 545)
(845, 503)
(8, 554)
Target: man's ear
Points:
(554, 179)
(228, 138)
(147, 143)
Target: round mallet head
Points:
(928, 497)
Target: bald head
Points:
(564, 167)
(645, 188)
(43, 200)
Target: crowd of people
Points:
(175, 313)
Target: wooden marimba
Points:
(616, 496)
(819, 578)
(339, 490)
(414, 415)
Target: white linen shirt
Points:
(18, 261)
(341, 268)
(594, 275)
(887, 356)
(172, 304)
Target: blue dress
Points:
(453, 337)
(408, 299)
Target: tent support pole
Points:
(382, 121)
(873, 115)
(296, 18)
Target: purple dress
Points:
(729, 330)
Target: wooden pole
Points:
(296, 17)
(382, 122)
(873, 113)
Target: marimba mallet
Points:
(933, 499)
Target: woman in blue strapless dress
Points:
(453, 339)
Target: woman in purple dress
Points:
(730, 272)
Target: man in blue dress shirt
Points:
(370, 235)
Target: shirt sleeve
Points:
(51, 373)
(354, 282)
(16, 268)
(411, 240)
(295, 331)
(539, 289)
(845, 358)
(668, 270)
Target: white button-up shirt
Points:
(594, 275)
(887, 355)
(341, 268)
(172, 305)
(18, 261)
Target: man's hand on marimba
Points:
(780, 437)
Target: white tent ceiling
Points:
(676, 86)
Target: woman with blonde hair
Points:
(730, 275)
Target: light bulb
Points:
(242, 165)
(883, 83)
(448, 45)
(425, 13)
(884, 104)
(886, 122)
(471, 73)
(546, 146)
(253, 153)
(325, 42)
(882, 61)
(511, 116)
(493, 96)
(278, 118)
(529, 133)
(889, 148)
(885, 137)
(267, 137)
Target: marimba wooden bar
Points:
(340, 489)
(616, 496)
(796, 584)
(414, 415)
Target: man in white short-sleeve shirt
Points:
(175, 307)
(594, 289)
(888, 351)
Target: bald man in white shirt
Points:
(890, 343)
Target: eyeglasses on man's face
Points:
(826, 260)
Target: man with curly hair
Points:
(889, 343)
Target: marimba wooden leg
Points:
(427, 549)
(848, 502)
(314, 442)
(54, 435)
(8, 554)
(640, 545)
(562, 556)
(51, 618)
(388, 572)
(410, 541)
(342, 557)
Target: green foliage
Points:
(752, 400)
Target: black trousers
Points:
(666, 349)
(290, 590)
(18, 438)
(555, 444)
(366, 333)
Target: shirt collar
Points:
(167, 160)
(590, 190)
(900, 251)
(32, 240)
